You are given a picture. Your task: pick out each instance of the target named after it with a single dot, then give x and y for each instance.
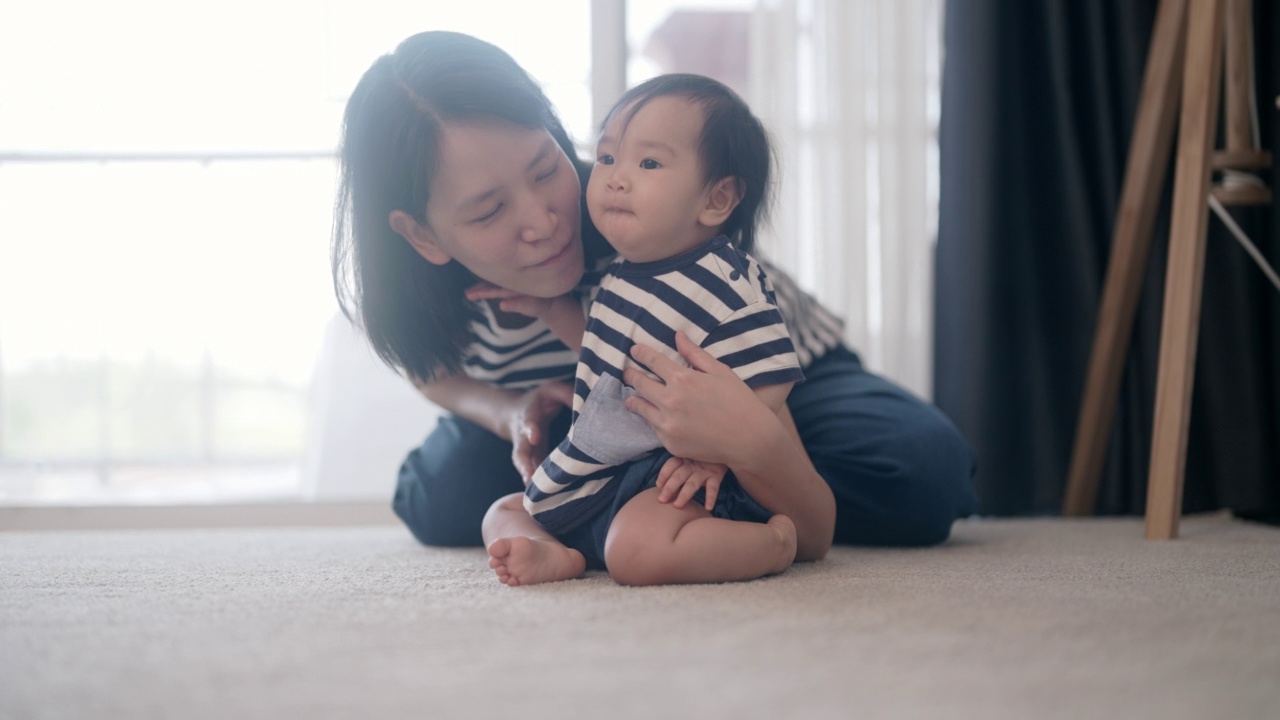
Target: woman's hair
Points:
(415, 313)
(733, 143)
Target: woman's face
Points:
(505, 204)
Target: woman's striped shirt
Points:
(523, 358)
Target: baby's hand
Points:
(510, 300)
(682, 478)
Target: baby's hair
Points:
(733, 143)
(415, 313)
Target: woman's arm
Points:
(707, 412)
(681, 478)
(521, 417)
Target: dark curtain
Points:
(1038, 103)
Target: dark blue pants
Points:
(899, 469)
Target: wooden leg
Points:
(1201, 86)
(1149, 152)
(1239, 88)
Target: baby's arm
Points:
(681, 478)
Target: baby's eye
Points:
(650, 164)
(605, 159)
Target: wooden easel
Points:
(1185, 58)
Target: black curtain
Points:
(1038, 103)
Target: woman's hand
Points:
(529, 422)
(681, 478)
(704, 411)
(509, 300)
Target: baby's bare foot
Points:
(786, 531)
(525, 561)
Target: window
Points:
(167, 176)
(707, 37)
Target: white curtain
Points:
(849, 89)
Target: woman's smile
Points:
(560, 255)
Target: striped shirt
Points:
(523, 358)
(717, 295)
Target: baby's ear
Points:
(722, 198)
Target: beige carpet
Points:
(1012, 619)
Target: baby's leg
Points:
(520, 551)
(653, 543)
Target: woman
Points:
(456, 171)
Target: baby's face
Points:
(647, 191)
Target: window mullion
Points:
(608, 56)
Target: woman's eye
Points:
(605, 159)
(548, 174)
(650, 164)
(489, 215)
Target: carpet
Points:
(1047, 618)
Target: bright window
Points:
(166, 192)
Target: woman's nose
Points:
(539, 222)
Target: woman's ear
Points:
(419, 236)
(723, 197)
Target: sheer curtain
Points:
(850, 92)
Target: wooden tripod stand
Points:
(1185, 58)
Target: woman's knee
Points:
(937, 455)
(446, 485)
(421, 502)
(919, 483)
(936, 466)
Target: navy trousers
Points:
(900, 471)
